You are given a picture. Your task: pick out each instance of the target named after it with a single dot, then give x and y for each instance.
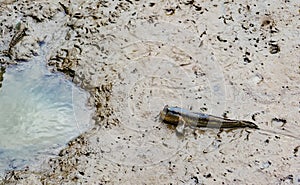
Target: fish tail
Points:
(249, 124)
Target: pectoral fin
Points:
(180, 128)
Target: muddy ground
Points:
(233, 59)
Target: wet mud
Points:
(134, 57)
(2, 71)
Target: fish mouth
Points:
(162, 115)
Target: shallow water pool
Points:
(40, 112)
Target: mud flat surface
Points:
(239, 60)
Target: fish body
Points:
(181, 117)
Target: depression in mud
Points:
(40, 112)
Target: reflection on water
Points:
(39, 112)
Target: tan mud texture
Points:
(226, 58)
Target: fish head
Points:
(169, 116)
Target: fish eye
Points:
(166, 109)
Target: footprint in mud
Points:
(156, 74)
(166, 66)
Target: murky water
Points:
(39, 113)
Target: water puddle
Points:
(40, 112)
